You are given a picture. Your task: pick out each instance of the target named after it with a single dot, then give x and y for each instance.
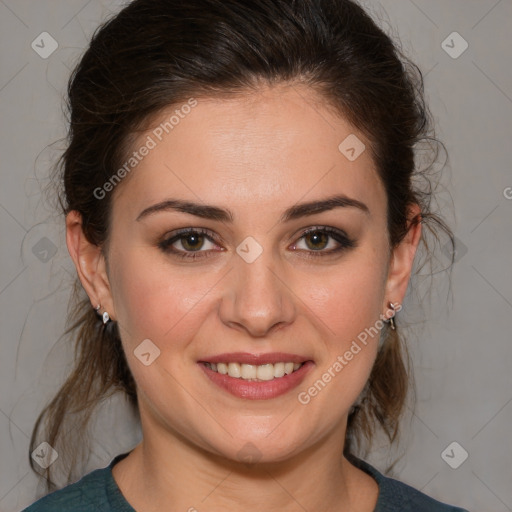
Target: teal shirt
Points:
(98, 492)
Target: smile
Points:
(257, 381)
(257, 373)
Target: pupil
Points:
(317, 237)
(194, 239)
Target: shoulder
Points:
(399, 494)
(396, 495)
(89, 493)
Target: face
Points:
(212, 258)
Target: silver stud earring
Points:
(391, 319)
(105, 315)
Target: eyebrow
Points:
(225, 215)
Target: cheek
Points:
(348, 304)
(348, 299)
(166, 306)
(153, 300)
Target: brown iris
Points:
(317, 237)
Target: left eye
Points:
(317, 240)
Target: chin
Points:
(261, 445)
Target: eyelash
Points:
(339, 236)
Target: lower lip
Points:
(263, 390)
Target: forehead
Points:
(275, 146)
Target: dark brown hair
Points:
(157, 53)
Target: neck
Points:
(168, 470)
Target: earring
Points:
(105, 316)
(391, 319)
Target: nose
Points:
(257, 297)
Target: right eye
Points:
(191, 240)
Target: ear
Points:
(90, 264)
(402, 259)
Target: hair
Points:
(157, 53)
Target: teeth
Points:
(254, 372)
(249, 371)
(266, 372)
(279, 370)
(234, 370)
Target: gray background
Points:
(463, 352)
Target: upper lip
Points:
(255, 359)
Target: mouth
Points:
(256, 377)
(255, 373)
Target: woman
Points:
(241, 209)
